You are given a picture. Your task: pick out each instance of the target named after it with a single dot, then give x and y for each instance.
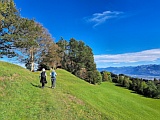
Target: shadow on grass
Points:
(36, 85)
(39, 86)
(131, 91)
(134, 92)
(119, 85)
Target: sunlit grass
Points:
(73, 99)
(115, 102)
(22, 98)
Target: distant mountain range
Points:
(144, 71)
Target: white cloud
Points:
(99, 18)
(143, 56)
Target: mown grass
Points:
(21, 98)
(115, 102)
(73, 99)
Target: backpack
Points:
(43, 75)
(53, 75)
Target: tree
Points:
(89, 59)
(81, 54)
(78, 59)
(106, 76)
(158, 91)
(135, 84)
(126, 82)
(18, 35)
(142, 87)
(51, 58)
(98, 77)
(90, 66)
(9, 24)
(27, 37)
(63, 52)
(120, 79)
(48, 52)
(151, 90)
(73, 51)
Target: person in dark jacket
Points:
(43, 76)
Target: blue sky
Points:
(120, 32)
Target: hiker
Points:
(43, 76)
(53, 75)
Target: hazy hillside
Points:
(73, 99)
(143, 71)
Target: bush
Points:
(106, 76)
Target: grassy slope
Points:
(21, 98)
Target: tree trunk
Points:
(32, 60)
(32, 66)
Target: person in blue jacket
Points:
(53, 75)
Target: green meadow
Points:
(22, 98)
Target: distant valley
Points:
(144, 71)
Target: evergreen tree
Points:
(9, 24)
(78, 59)
(63, 52)
(73, 51)
(89, 59)
(97, 77)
